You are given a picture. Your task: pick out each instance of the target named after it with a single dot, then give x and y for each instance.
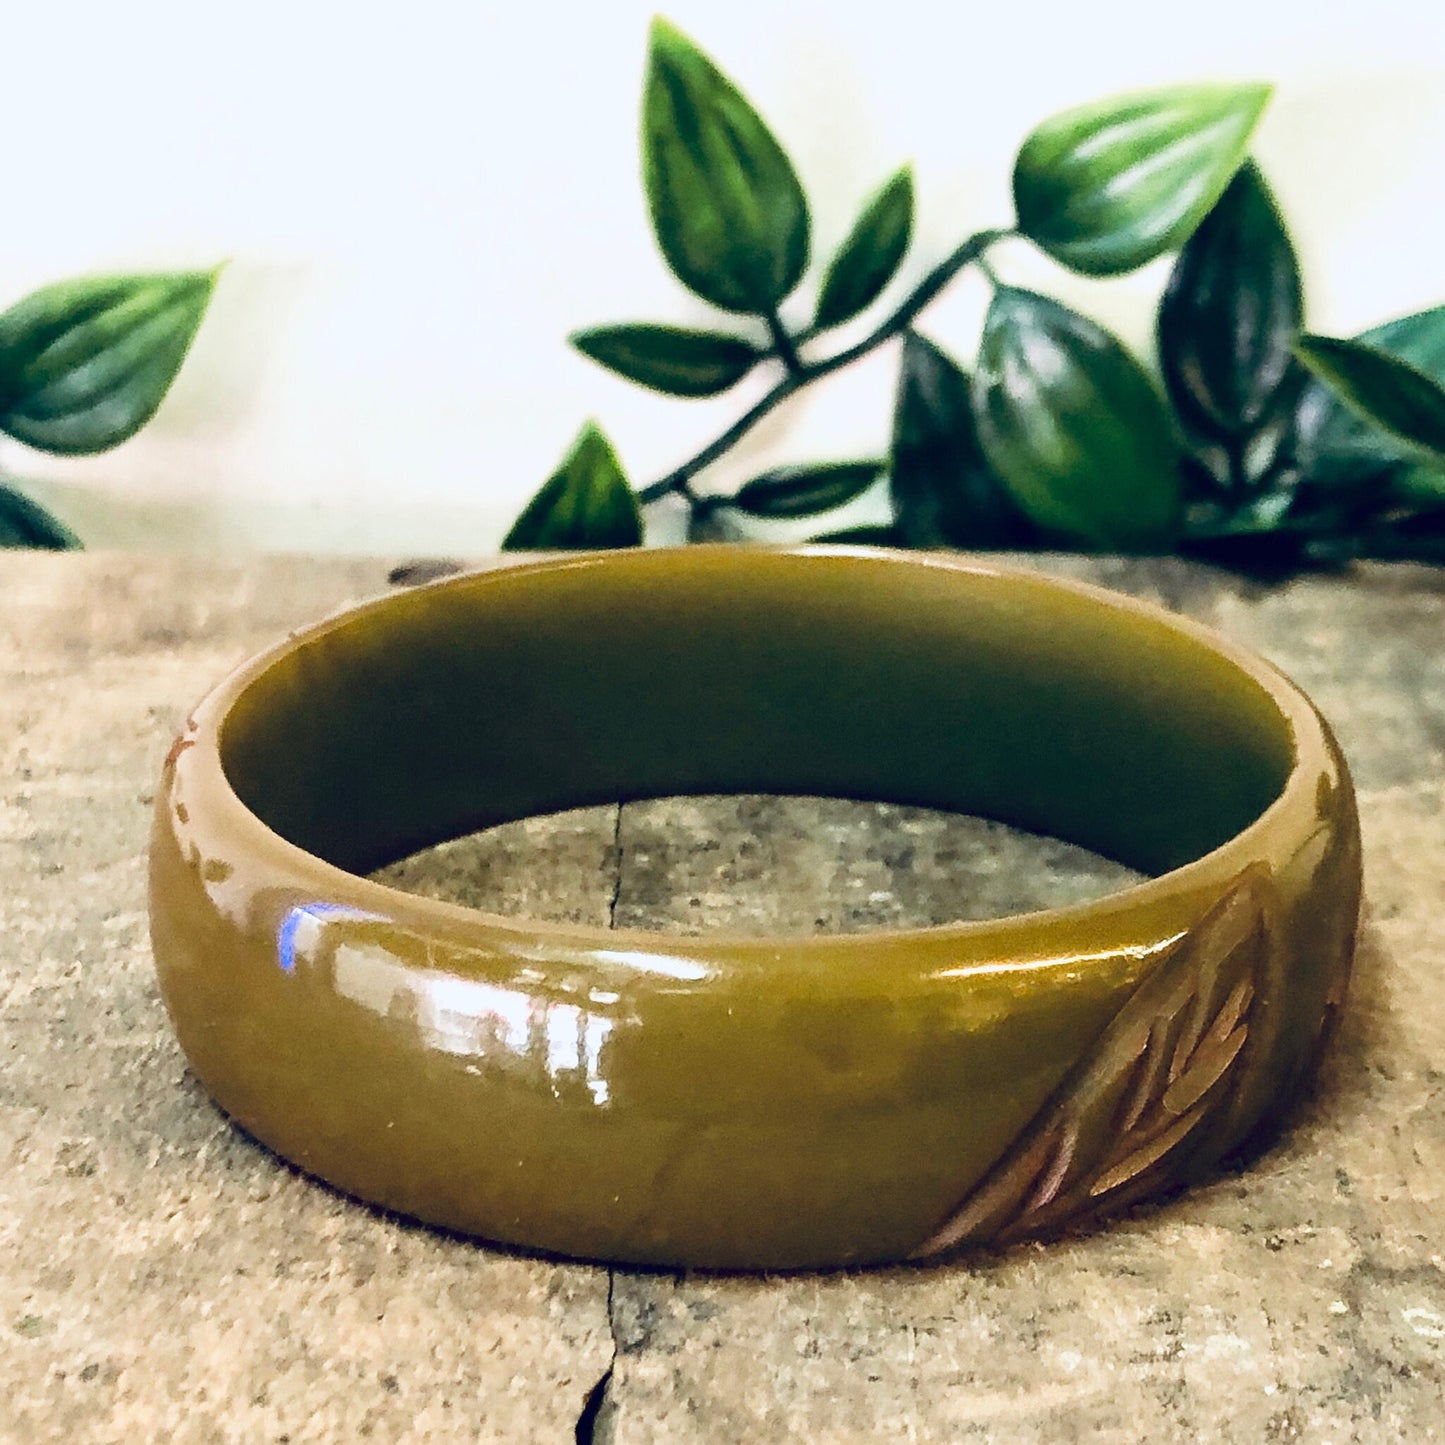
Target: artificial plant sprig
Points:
(1263, 447)
(84, 365)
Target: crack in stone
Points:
(617, 863)
(594, 1424)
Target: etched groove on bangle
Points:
(1162, 1093)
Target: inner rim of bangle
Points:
(489, 698)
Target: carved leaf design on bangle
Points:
(1156, 1097)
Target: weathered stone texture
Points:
(162, 1277)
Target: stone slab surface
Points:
(161, 1277)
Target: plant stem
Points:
(989, 272)
(805, 373)
(783, 344)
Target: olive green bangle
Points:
(753, 1102)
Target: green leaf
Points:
(84, 364)
(1335, 445)
(1418, 484)
(807, 490)
(1381, 388)
(1231, 313)
(943, 489)
(871, 254)
(1071, 423)
(1419, 537)
(726, 206)
(24, 523)
(585, 503)
(670, 359)
(1109, 186)
(1265, 556)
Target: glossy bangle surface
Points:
(746, 1102)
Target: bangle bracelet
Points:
(753, 1102)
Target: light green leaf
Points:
(670, 359)
(24, 523)
(1107, 187)
(805, 491)
(726, 206)
(1389, 392)
(871, 254)
(585, 503)
(1074, 427)
(84, 364)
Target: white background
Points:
(420, 201)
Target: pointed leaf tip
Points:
(25, 523)
(871, 253)
(727, 209)
(1337, 447)
(1106, 187)
(585, 503)
(84, 364)
(662, 34)
(806, 490)
(671, 359)
(1230, 316)
(1392, 393)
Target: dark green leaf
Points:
(805, 491)
(585, 503)
(1263, 536)
(943, 489)
(868, 258)
(1418, 537)
(670, 359)
(1071, 423)
(1109, 186)
(1265, 512)
(862, 537)
(1335, 445)
(1231, 313)
(708, 523)
(726, 206)
(1269, 448)
(24, 523)
(1383, 389)
(1264, 556)
(1257, 458)
(1418, 484)
(84, 364)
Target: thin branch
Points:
(783, 345)
(680, 478)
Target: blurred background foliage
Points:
(1245, 440)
